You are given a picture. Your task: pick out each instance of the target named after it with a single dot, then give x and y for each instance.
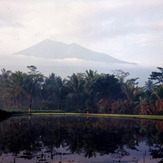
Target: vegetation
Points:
(82, 92)
(152, 117)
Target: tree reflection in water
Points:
(74, 139)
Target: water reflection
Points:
(49, 139)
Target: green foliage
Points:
(157, 76)
(153, 101)
(121, 75)
(160, 91)
(81, 92)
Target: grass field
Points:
(33, 111)
(59, 113)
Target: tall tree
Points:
(157, 76)
(18, 84)
(5, 74)
(89, 88)
(121, 75)
(6, 92)
(108, 90)
(33, 84)
(131, 90)
(148, 86)
(53, 91)
(75, 84)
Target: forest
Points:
(82, 92)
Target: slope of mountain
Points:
(56, 50)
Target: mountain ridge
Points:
(58, 50)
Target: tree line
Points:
(81, 92)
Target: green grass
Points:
(158, 117)
(33, 111)
(60, 113)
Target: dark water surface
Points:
(51, 139)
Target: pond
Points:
(66, 139)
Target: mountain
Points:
(65, 59)
(57, 50)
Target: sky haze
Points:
(128, 30)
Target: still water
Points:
(51, 139)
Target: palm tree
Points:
(60, 92)
(7, 93)
(90, 74)
(33, 83)
(5, 74)
(90, 78)
(53, 91)
(131, 89)
(148, 86)
(48, 91)
(75, 84)
(90, 89)
(6, 88)
(134, 94)
(157, 76)
(18, 84)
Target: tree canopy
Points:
(81, 92)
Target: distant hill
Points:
(57, 50)
(64, 60)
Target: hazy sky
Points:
(130, 30)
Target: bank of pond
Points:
(8, 113)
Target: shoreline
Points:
(51, 112)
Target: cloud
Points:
(114, 19)
(129, 30)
